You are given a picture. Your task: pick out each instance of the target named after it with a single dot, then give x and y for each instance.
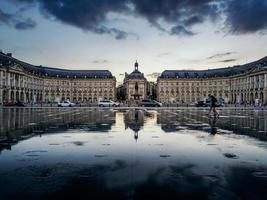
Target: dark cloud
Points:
(181, 30)
(228, 60)
(27, 24)
(182, 15)
(87, 15)
(92, 15)
(193, 20)
(17, 22)
(5, 18)
(247, 16)
(220, 55)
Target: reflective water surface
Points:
(82, 153)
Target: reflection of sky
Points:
(154, 150)
(125, 161)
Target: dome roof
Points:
(136, 74)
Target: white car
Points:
(107, 103)
(65, 104)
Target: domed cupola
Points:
(136, 74)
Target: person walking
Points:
(213, 101)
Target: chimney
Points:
(9, 54)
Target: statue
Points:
(136, 88)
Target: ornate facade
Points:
(238, 84)
(20, 81)
(135, 85)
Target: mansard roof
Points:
(136, 74)
(219, 72)
(6, 60)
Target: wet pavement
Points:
(83, 153)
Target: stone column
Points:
(8, 79)
(1, 96)
(264, 96)
(1, 86)
(14, 81)
(18, 95)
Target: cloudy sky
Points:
(112, 34)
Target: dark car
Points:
(150, 103)
(19, 104)
(202, 104)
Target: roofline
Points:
(44, 69)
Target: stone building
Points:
(20, 81)
(135, 85)
(238, 84)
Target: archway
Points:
(21, 96)
(4, 96)
(251, 98)
(261, 97)
(12, 96)
(17, 96)
(256, 95)
(38, 97)
(31, 96)
(27, 97)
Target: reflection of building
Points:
(238, 84)
(134, 119)
(250, 125)
(29, 83)
(15, 126)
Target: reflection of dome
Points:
(134, 119)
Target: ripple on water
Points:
(100, 155)
(164, 156)
(230, 155)
(260, 174)
(78, 143)
(105, 144)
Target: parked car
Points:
(19, 104)
(65, 104)
(150, 103)
(107, 103)
(201, 104)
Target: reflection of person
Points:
(256, 102)
(212, 123)
(213, 101)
